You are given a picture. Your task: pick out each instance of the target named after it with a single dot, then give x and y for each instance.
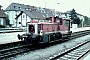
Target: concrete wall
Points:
(2, 21)
(23, 19)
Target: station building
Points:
(3, 16)
(20, 14)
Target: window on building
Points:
(19, 7)
(42, 11)
(9, 7)
(23, 16)
(14, 6)
(27, 9)
(19, 22)
(7, 11)
(43, 15)
(35, 10)
(47, 15)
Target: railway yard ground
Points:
(9, 37)
(86, 57)
(42, 54)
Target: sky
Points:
(81, 6)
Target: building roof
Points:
(45, 12)
(33, 14)
(17, 6)
(2, 14)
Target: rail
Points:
(66, 52)
(10, 30)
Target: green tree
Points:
(73, 17)
(72, 14)
(86, 20)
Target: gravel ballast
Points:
(42, 54)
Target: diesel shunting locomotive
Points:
(46, 31)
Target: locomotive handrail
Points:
(9, 28)
(10, 31)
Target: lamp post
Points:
(54, 10)
(45, 4)
(82, 21)
(0, 7)
(45, 9)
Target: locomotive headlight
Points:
(66, 31)
(41, 32)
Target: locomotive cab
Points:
(31, 28)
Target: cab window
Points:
(31, 28)
(66, 23)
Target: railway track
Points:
(79, 34)
(14, 50)
(24, 48)
(74, 53)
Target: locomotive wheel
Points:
(28, 39)
(51, 37)
(57, 35)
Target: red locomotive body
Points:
(52, 29)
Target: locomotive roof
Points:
(49, 18)
(43, 23)
(66, 19)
